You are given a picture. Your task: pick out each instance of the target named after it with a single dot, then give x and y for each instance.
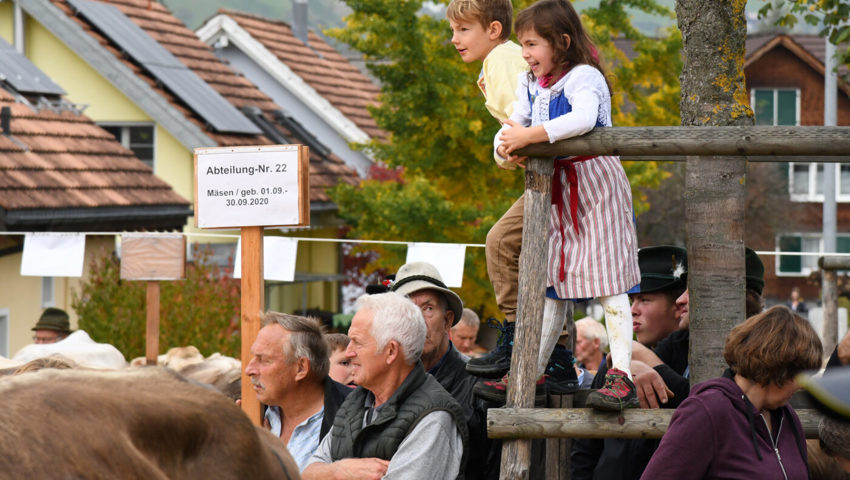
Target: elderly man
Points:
(399, 422)
(289, 372)
(53, 325)
(591, 342)
(465, 332)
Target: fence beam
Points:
(528, 423)
(704, 140)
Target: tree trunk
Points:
(714, 93)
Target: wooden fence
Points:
(700, 147)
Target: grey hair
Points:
(593, 330)
(470, 318)
(306, 340)
(395, 317)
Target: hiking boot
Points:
(497, 390)
(616, 395)
(561, 378)
(496, 363)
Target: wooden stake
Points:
(516, 454)
(152, 325)
(253, 304)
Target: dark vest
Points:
(419, 395)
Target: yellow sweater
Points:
(498, 82)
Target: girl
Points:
(592, 242)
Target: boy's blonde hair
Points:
(484, 11)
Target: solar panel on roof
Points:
(165, 67)
(22, 75)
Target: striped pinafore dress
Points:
(592, 241)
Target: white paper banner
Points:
(53, 255)
(279, 255)
(447, 257)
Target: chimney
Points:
(6, 120)
(299, 20)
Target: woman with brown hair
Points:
(740, 425)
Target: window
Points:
(803, 265)
(48, 297)
(781, 106)
(138, 138)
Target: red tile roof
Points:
(319, 65)
(61, 160)
(182, 42)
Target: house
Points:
(60, 172)
(147, 78)
(785, 80)
(304, 75)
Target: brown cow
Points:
(132, 424)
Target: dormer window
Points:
(137, 137)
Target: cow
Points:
(146, 423)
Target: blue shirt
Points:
(305, 438)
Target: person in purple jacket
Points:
(740, 426)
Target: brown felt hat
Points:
(54, 319)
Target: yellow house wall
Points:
(313, 257)
(6, 22)
(22, 295)
(173, 163)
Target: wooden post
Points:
(558, 449)
(516, 454)
(829, 292)
(253, 304)
(152, 324)
(715, 195)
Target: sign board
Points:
(252, 186)
(153, 257)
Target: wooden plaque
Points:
(153, 257)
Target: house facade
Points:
(98, 52)
(785, 80)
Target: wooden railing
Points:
(701, 147)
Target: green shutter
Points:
(790, 263)
(786, 112)
(763, 108)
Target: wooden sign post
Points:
(251, 188)
(153, 258)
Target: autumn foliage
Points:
(201, 310)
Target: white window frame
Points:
(48, 292)
(125, 134)
(811, 194)
(804, 271)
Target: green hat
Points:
(54, 319)
(662, 268)
(754, 270)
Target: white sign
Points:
(53, 255)
(251, 186)
(279, 255)
(448, 258)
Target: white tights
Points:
(618, 323)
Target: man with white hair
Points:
(399, 422)
(591, 341)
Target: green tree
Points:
(440, 134)
(201, 310)
(829, 15)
